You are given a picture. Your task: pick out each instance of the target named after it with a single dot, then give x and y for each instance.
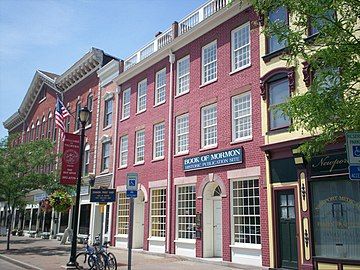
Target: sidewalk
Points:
(49, 254)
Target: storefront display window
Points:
(336, 218)
(84, 219)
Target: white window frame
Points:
(125, 110)
(157, 218)
(86, 160)
(188, 216)
(233, 50)
(203, 145)
(232, 214)
(105, 157)
(158, 141)
(125, 214)
(141, 97)
(179, 136)
(234, 135)
(124, 152)
(178, 77)
(203, 64)
(108, 112)
(137, 147)
(160, 89)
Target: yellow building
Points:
(314, 209)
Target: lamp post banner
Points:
(70, 159)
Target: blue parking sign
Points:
(132, 181)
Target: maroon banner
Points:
(70, 159)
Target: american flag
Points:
(60, 114)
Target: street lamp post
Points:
(83, 118)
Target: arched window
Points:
(89, 105)
(54, 130)
(43, 127)
(37, 129)
(32, 133)
(49, 126)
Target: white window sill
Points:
(183, 153)
(140, 112)
(182, 94)
(121, 236)
(158, 159)
(247, 246)
(208, 147)
(107, 127)
(88, 126)
(139, 163)
(242, 140)
(122, 167)
(185, 241)
(104, 171)
(240, 69)
(77, 131)
(207, 83)
(125, 118)
(158, 104)
(158, 239)
(42, 100)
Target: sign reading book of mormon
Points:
(222, 158)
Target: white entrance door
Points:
(138, 234)
(217, 225)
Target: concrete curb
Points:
(196, 259)
(19, 263)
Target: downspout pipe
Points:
(170, 151)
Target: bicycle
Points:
(109, 258)
(89, 259)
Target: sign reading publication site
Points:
(353, 153)
(222, 158)
(70, 159)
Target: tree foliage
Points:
(331, 105)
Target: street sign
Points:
(353, 147)
(132, 181)
(131, 193)
(102, 195)
(354, 172)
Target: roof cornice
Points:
(108, 72)
(82, 68)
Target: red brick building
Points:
(190, 126)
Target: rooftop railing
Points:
(177, 29)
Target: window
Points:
(336, 218)
(37, 129)
(50, 123)
(67, 121)
(108, 112)
(77, 113)
(158, 212)
(240, 42)
(43, 123)
(209, 62)
(140, 146)
(159, 136)
(86, 160)
(246, 211)
(279, 15)
(124, 150)
(160, 90)
(105, 156)
(126, 104)
(123, 213)
(241, 117)
(278, 94)
(182, 133)
(89, 105)
(141, 101)
(183, 75)
(42, 94)
(186, 212)
(317, 23)
(209, 125)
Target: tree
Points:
(24, 167)
(331, 105)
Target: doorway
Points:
(212, 221)
(138, 235)
(287, 239)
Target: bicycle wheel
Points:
(82, 261)
(111, 261)
(95, 262)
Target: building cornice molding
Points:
(108, 72)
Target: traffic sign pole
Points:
(130, 232)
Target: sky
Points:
(52, 35)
